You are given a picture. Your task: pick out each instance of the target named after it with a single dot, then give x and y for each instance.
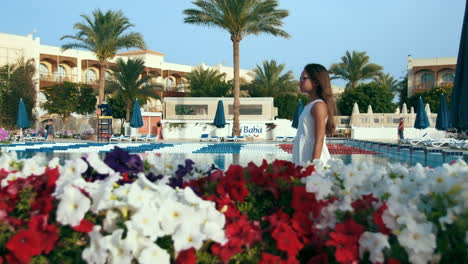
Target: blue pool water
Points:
(224, 154)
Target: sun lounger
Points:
(214, 138)
(142, 138)
(240, 138)
(279, 138)
(289, 139)
(204, 137)
(230, 138)
(116, 138)
(152, 138)
(127, 138)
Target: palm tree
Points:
(355, 68)
(240, 18)
(127, 83)
(270, 80)
(386, 80)
(104, 34)
(207, 82)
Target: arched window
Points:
(427, 80)
(90, 76)
(169, 83)
(448, 77)
(43, 70)
(61, 72)
(108, 75)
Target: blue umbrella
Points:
(297, 114)
(459, 107)
(22, 119)
(421, 121)
(220, 119)
(136, 120)
(442, 122)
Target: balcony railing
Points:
(184, 88)
(58, 78)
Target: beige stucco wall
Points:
(269, 112)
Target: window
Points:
(90, 76)
(43, 70)
(108, 76)
(448, 77)
(181, 109)
(169, 83)
(427, 80)
(246, 109)
(61, 72)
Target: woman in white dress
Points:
(316, 120)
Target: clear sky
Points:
(321, 30)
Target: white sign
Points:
(253, 130)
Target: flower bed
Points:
(125, 209)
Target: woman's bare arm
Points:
(319, 112)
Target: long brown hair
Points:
(319, 75)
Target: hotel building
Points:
(425, 74)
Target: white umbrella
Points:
(404, 109)
(428, 109)
(369, 109)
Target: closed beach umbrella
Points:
(220, 119)
(442, 122)
(369, 109)
(459, 107)
(297, 113)
(136, 120)
(421, 121)
(22, 119)
(404, 109)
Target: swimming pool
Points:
(223, 154)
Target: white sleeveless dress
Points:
(305, 138)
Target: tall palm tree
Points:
(269, 80)
(239, 18)
(386, 80)
(207, 82)
(354, 68)
(128, 83)
(104, 34)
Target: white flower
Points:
(138, 197)
(420, 258)
(94, 254)
(374, 243)
(327, 216)
(101, 193)
(135, 241)
(98, 165)
(450, 217)
(109, 223)
(153, 254)
(74, 167)
(173, 214)
(146, 220)
(418, 237)
(72, 207)
(119, 252)
(54, 163)
(157, 163)
(319, 184)
(8, 161)
(187, 237)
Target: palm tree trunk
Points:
(102, 81)
(236, 127)
(128, 105)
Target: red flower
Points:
(365, 203)
(319, 259)
(48, 234)
(306, 202)
(242, 232)
(233, 185)
(53, 175)
(377, 216)
(307, 171)
(186, 257)
(393, 261)
(85, 226)
(269, 259)
(303, 226)
(286, 239)
(24, 245)
(226, 251)
(43, 204)
(345, 240)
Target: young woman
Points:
(316, 120)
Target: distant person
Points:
(316, 120)
(401, 128)
(49, 130)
